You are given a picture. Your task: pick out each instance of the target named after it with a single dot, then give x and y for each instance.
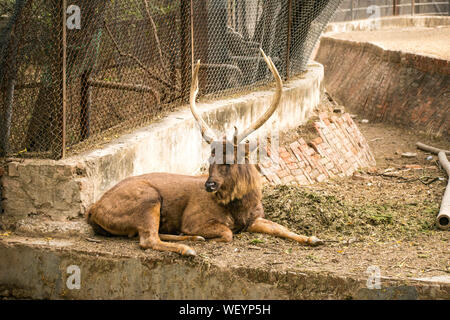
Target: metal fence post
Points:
(64, 76)
(85, 105)
(184, 22)
(351, 10)
(288, 42)
(191, 20)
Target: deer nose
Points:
(210, 186)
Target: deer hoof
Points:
(314, 241)
(199, 238)
(189, 252)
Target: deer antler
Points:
(206, 131)
(275, 101)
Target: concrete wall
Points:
(387, 23)
(65, 188)
(37, 269)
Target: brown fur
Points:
(156, 205)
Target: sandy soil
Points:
(430, 41)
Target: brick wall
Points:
(384, 85)
(338, 150)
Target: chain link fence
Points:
(75, 73)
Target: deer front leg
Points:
(172, 237)
(149, 237)
(214, 231)
(261, 225)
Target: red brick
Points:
(276, 180)
(266, 164)
(323, 116)
(292, 165)
(315, 173)
(321, 177)
(310, 151)
(302, 180)
(287, 179)
(284, 154)
(282, 173)
(296, 172)
(294, 145)
(329, 165)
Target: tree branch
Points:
(155, 35)
(166, 84)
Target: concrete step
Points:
(77, 268)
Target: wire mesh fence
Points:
(77, 72)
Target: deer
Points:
(165, 208)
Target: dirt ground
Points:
(433, 41)
(381, 218)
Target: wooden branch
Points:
(443, 218)
(223, 66)
(138, 62)
(155, 35)
(31, 85)
(124, 86)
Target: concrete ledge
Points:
(37, 268)
(65, 188)
(387, 23)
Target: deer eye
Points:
(224, 168)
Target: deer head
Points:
(235, 153)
